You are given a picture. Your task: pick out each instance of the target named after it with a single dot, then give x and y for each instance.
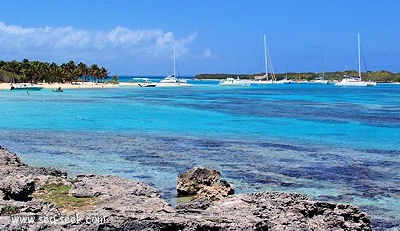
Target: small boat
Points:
(356, 81)
(59, 89)
(284, 81)
(26, 86)
(234, 82)
(147, 83)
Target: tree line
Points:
(37, 71)
(377, 76)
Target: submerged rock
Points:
(121, 204)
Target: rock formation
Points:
(201, 183)
(28, 202)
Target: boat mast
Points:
(174, 63)
(265, 56)
(359, 56)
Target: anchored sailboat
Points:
(356, 81)
(173, 79)
(264, 79)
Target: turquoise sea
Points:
(338, 144)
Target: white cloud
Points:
(68, 41)
(207, 54)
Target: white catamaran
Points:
(356, 81)
(173, 79)
(234, 82)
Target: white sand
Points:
(7, 86)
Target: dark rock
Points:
(18, 181)
(17, 189)
(48, 172)
(9, 158)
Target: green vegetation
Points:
(36, 71)
(378, 76)
(114, 80)
(58, 194)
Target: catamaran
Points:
(172, 79)
(234, 82)
(321, 80)
(356, 81)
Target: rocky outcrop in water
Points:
(45, 199)
(190, 182)
(201, 183)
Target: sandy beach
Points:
(7, 86)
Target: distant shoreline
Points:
(89, 85)
(376, 76)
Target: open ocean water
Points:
(338, 144)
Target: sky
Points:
(137, 37)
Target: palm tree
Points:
(83, 70)
(69, 71)
(35, 71)
(95, 72)
(53, 73)
(103, 74)
(13, 66)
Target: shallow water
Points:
(331, 143)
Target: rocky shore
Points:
(37, 198)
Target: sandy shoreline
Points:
(84, 85)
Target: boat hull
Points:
(355, 82)
(27, 87)
(147, 84)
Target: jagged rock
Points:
(190, 182)
(95, 185)
(203, 183)
(9, 158)
(18, 189)
(289, 211)
(216, 191)
(131, 205)
(42, 171)
(195, 206)
(18, 181)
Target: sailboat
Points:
(172, 79)
(356, 81)
(264, 79)
(321, 80)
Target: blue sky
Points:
(132, 37)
